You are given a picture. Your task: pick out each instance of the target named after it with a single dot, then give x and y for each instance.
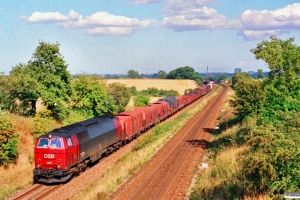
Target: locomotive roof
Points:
(78, 127)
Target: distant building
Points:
(237, 70)
(251, 72)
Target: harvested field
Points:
(166, 84)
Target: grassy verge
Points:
(145, 147)
(223, 178)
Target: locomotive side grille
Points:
(83, 136)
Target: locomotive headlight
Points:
(38, 166)
(58, 167)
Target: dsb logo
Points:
(49, 156)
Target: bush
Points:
(43, 123)
(133, 90)
(157, 93)
(141, 100)
(8, 141)
(272, 164)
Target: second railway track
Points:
(158, 183)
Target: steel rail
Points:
(155, 170)
(29, 192)
(187, 150)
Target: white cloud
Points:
(197, 18)
(100, 23)
(46, 17)
(138, 2)
(261, 24)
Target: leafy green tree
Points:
(183, 73)
(132, 74)
(282, 57)
(90, 96)
(49, 69)
(24, 92)
(249, 97)
(141, 100)
(282, 87)
(221, 78)
(260, 74)
(239, 76)
(5, 90)
(161, 74)
(120, 94)
(8, 141)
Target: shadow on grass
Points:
(228, 190)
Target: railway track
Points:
(159, 181)
(38, 192)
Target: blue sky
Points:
(114, 36)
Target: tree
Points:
(249, 97)
(90, 96)
(161, 74)
(282, 87)
(49, 69)
(239, 76)
(221, 78)
(24, 92)
(132, 74)
(260, 74)
(183, 73)
(282, 57)
(5, 90)
(120, 95)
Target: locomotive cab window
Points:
(43, 143)
(55, 143)
(69, 141)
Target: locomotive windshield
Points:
(43, 143)
(52, 143)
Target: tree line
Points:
(271, 166)
(45, 76)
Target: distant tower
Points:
(207, 72)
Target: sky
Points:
(115, 36)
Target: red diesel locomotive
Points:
(68, 150)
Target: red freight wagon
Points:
(148, 116)
(165, 108)
(137, 120)
(180, 102)
(127, 126)
(158, 111)
(199, 90)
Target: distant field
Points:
(166, 84)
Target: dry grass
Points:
(166, 84)
(18, 175)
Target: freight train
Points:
(66, 151)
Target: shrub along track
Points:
(169, 174)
